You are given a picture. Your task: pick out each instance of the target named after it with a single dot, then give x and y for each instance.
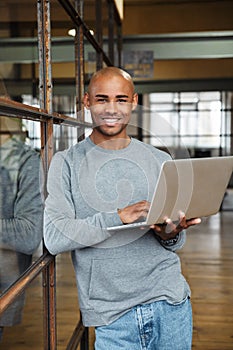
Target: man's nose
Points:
(111, 107)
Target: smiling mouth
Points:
(111, 120)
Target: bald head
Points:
(110, 72)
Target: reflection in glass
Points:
(21, 210)
(29, 333)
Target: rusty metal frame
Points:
(78, 22)
(99, 33)
(79, 69)
(15, 109)
(79, 336)
(47, 118)
(45, 98)
(10, 294)
(111, 23)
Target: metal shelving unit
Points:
(44, 114)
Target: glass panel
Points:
(202, 122)
(64, 137)
(67, 300)
(166, 106)
(28, 332)
(21, 200)
(162, 97)
(209, 95)
(87, 119)
(189, 97)
(188, 106)
(18, 21)
(164, 128)
(226, 127)
(188, 123)
(90, 61)
(62, 61)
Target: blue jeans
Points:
(155, 326)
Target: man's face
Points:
(111, 100)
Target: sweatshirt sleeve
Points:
(21, 228)
(63, 229)
(174, 244)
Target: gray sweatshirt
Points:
(114, 271)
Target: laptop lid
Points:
(195, 186)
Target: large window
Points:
(199, 121)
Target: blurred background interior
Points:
(180, 54)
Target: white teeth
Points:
(110, 120)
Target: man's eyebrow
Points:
(122, 96)
(106, 96)
(101, 95)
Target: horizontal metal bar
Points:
(9, 295)
(24, 86)
(194, 45)
(201, 45)
(174, 85)
(199, 136)
(18, 110)
(182, 37)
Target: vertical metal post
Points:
(140, 111)
(44, 42)
(84, 345)
(99, 33)
(45, 76)
(231, 121)
(80, 85)
(111, 31)
(79, 69)
(222, 142)
(45, 96)
(179, 120)
(119, 44)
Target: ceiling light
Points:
(72, 32)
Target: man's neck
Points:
(108, 142)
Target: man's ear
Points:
(135, 101)
(86, 100)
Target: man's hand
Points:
(170, 229)
(134, 212)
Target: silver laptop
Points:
(195, 186)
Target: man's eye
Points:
(101, 100)
(122, 100)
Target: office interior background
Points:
(180, 54)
